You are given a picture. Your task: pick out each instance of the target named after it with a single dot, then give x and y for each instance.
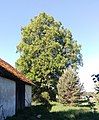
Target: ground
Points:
(56, 111)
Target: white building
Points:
(15, 90)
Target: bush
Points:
(45, 95)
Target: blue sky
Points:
(80, 16)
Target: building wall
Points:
(28, 95)
(7, 96)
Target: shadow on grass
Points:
(41, 112)
(75, 115)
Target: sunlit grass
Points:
(60, 107)
(57, 111)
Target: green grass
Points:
(55, 111)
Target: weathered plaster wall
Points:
(7, 96)
(28, 95)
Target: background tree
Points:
(46, 49)
(96, 82)
(70, 89)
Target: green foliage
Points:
(45, 95)
(96, 82)
(97, 91)
(69, 87)
(44, 99)
(91, 103)
(46, 49)
(97, 98)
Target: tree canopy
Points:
(46, 49)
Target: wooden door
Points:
(20, 95)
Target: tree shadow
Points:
(75, 115)
(42, 112)
(35, 112)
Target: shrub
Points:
(45, 95)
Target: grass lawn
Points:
(56, 111)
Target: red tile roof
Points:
(7, 67)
